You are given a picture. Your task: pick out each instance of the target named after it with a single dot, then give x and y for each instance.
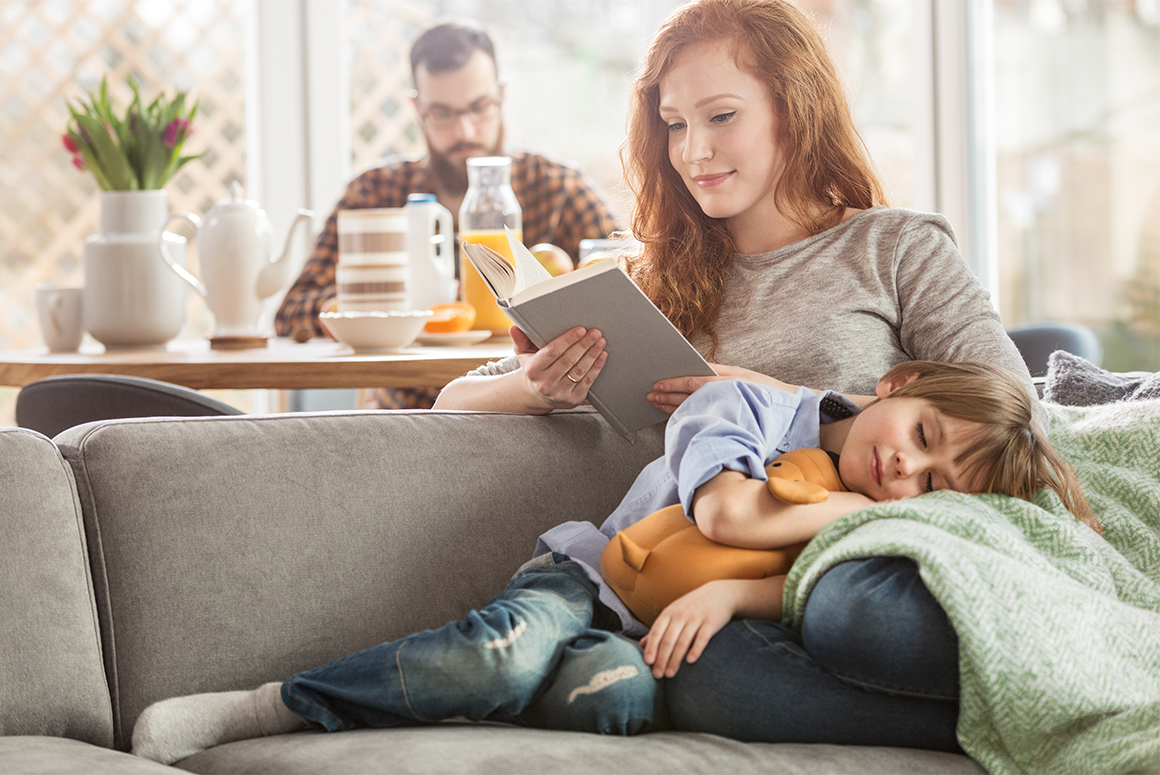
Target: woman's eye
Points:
(929, 483)
(721, 118)
(677, 127)
(921, 436)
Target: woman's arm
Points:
(947, 315)
(684, 628)
(546, 379)
(736, 510)
(668, 394)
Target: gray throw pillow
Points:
(1149, 388)
(1075, 381)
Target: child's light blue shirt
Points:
(733, 425)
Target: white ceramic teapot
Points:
(234, 252)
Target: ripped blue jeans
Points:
(539, 654)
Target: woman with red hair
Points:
(764, 234)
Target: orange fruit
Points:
(451, 318)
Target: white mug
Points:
(59, 310)
(371, 275)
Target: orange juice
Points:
(488, 315)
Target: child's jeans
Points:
(876, 663)
(538, 654)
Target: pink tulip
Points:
(176, 130)
(69, 144)
(78, 162)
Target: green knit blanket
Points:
(1059, 629)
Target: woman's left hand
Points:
(668, 394)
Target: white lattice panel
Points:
(382, 121)
(52, 51)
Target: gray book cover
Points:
(643, 346)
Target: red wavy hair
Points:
(685, 254)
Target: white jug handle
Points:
(181, 271)
(443, 243)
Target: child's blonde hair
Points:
(1010, 453)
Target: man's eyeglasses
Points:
(482, 111)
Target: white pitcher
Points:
(430, 252)
(233, 248)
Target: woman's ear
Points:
(886, 387)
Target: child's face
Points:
(902, 447)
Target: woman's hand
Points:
(558, 375)
(668, 394)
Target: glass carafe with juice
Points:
(489, 206)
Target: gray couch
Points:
(144, 559)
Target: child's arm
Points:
(733, 509)
(684, 628)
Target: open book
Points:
(643, 346)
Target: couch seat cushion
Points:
(467, 748)
(33, 755)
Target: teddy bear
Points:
(663, 556)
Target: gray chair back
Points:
(53, 404)
(1037, 341)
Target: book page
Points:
(504, 279)
(529, 270)
(562, 281)
(494, 269)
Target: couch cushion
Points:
(237, 550)
(50, 654)
(58, 756)
(490, 749)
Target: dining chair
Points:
(53, 404)
(1037, 341)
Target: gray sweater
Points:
(837, 310)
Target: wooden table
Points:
(281, 365)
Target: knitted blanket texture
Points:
(1059, 628)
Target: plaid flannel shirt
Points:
(560, 205)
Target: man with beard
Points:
(457, 97)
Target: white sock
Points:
(173, 729)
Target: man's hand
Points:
(558, 375)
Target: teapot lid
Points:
(235, 200)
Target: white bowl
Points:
(375, 331)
